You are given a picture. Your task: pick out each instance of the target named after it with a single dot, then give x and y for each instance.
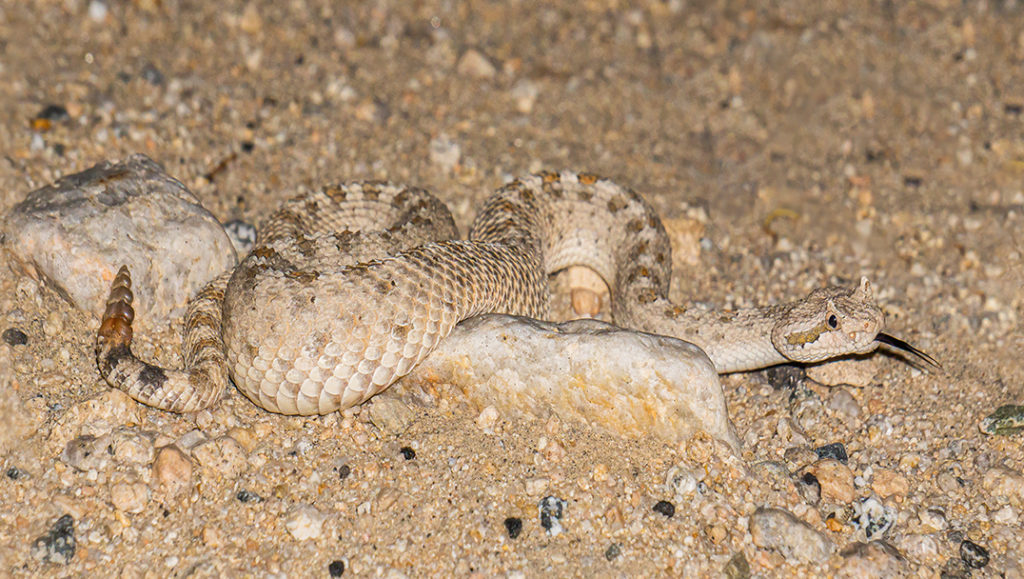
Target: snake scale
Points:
(351, 286)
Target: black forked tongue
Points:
(905, 347)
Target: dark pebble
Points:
(343, 471)
(245, 496)
(786, 376)
(1013, 108)
(58, 544)
(248, 146)
(53, 113)
(954, 536)
(15, 473)
(836, 451)
(613, 551)
(336, 568)
(514, 526)
(15, 337)
(911, 181)
(666, 508)
(973, 554)
(407, 453)
(152, 74)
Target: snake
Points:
(350, 286)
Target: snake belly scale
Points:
(349, 287)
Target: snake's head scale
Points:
(830, 322)
(833, 322)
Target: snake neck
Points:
(736, 341)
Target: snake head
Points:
(828, 323)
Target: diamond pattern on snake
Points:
(350, 287)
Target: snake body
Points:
(349, 287)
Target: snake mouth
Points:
(905, 347)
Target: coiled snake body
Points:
(349, 287)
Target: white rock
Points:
(780, 530)
(617, 380)
(77, 232)
(305, 522)
(475, 65)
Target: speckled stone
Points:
(780, 530)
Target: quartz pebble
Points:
(780, 530)
(475, 65)
(637, 385)
(1002, 481)
(390, 415)
(887, 483)
(77, 232)
(872, 559)
(221, 457)
(305, 522)
(129, 497)
(172, 470)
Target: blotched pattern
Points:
(350, 287)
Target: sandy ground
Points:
(823, 140)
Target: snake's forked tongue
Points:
(905, 347)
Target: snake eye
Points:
(833, 321)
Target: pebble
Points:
(245, 496)
(1005, 421)
(932, 519)
(222, 456)
(955, 568)
(873, 517)
(305, 522)
(919, 547)
(786, 376)
(487, 419)
(551, 509)
(681, 482)
(974, 554)
(242, 235)
(810, 488)
(737, 568)
(665, 508)
(58, 544)
(872, 559)
(336, 568)
(524, 94)
(445, 153)
(15, 337)
(887, 483)
(390, 415)
(1003, 481)
(15, 473)
(780, 530)
(672, 392)
(128, 213)
(836, 480)
(475, 65)
(836, 451)
(513, 526)
(407, 452)
(843, 402)
(172, 470)
(613, 551)
(129, 497)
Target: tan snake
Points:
(348, 288)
